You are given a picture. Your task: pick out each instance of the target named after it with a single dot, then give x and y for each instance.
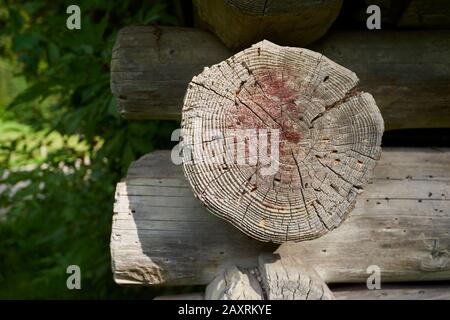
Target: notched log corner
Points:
(276, 278)
(146, 273)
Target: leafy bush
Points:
(64, 146)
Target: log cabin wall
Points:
(162, 235)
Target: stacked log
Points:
(151, 69)
(162, 235)
(240, 23)
(162, 232)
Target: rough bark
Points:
(149, 77)
(328, 137)
(162, 235)
(240, 23)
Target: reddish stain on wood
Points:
(269, 101)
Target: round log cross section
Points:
(279, 142)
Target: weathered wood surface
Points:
(405, 291)
(235, 284)
(151, 67)
(323, 134)
(423, 14)
(408, 73)
(437, 291)
(289, 278)
(240, 23)
(273, 279)
(162, 234)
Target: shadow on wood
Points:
(162, 235)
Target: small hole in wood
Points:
(326, 78)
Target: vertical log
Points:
(240, 23)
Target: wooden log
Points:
(235, 284)
(408, 73)
(240, 23)
(404, 291)
(323, 135)
(289, 278)
(151, 67)
(426, 14)
(162, 235)
(274, 279)
(149, 78)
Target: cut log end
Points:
(276, 278)
(279, 141)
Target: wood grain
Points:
(425, 14)
(162, 235)
(328, 137)
(274, 279)
(405, 291)
(240, 23)
(151, 67)
(408, 72)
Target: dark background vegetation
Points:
(63, 145)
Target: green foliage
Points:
(63, 145)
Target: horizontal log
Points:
(408, 73)
(423, 14)
(437, 291)
(274, 279)
(161, 234)
(405, 291)
(240, 23)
